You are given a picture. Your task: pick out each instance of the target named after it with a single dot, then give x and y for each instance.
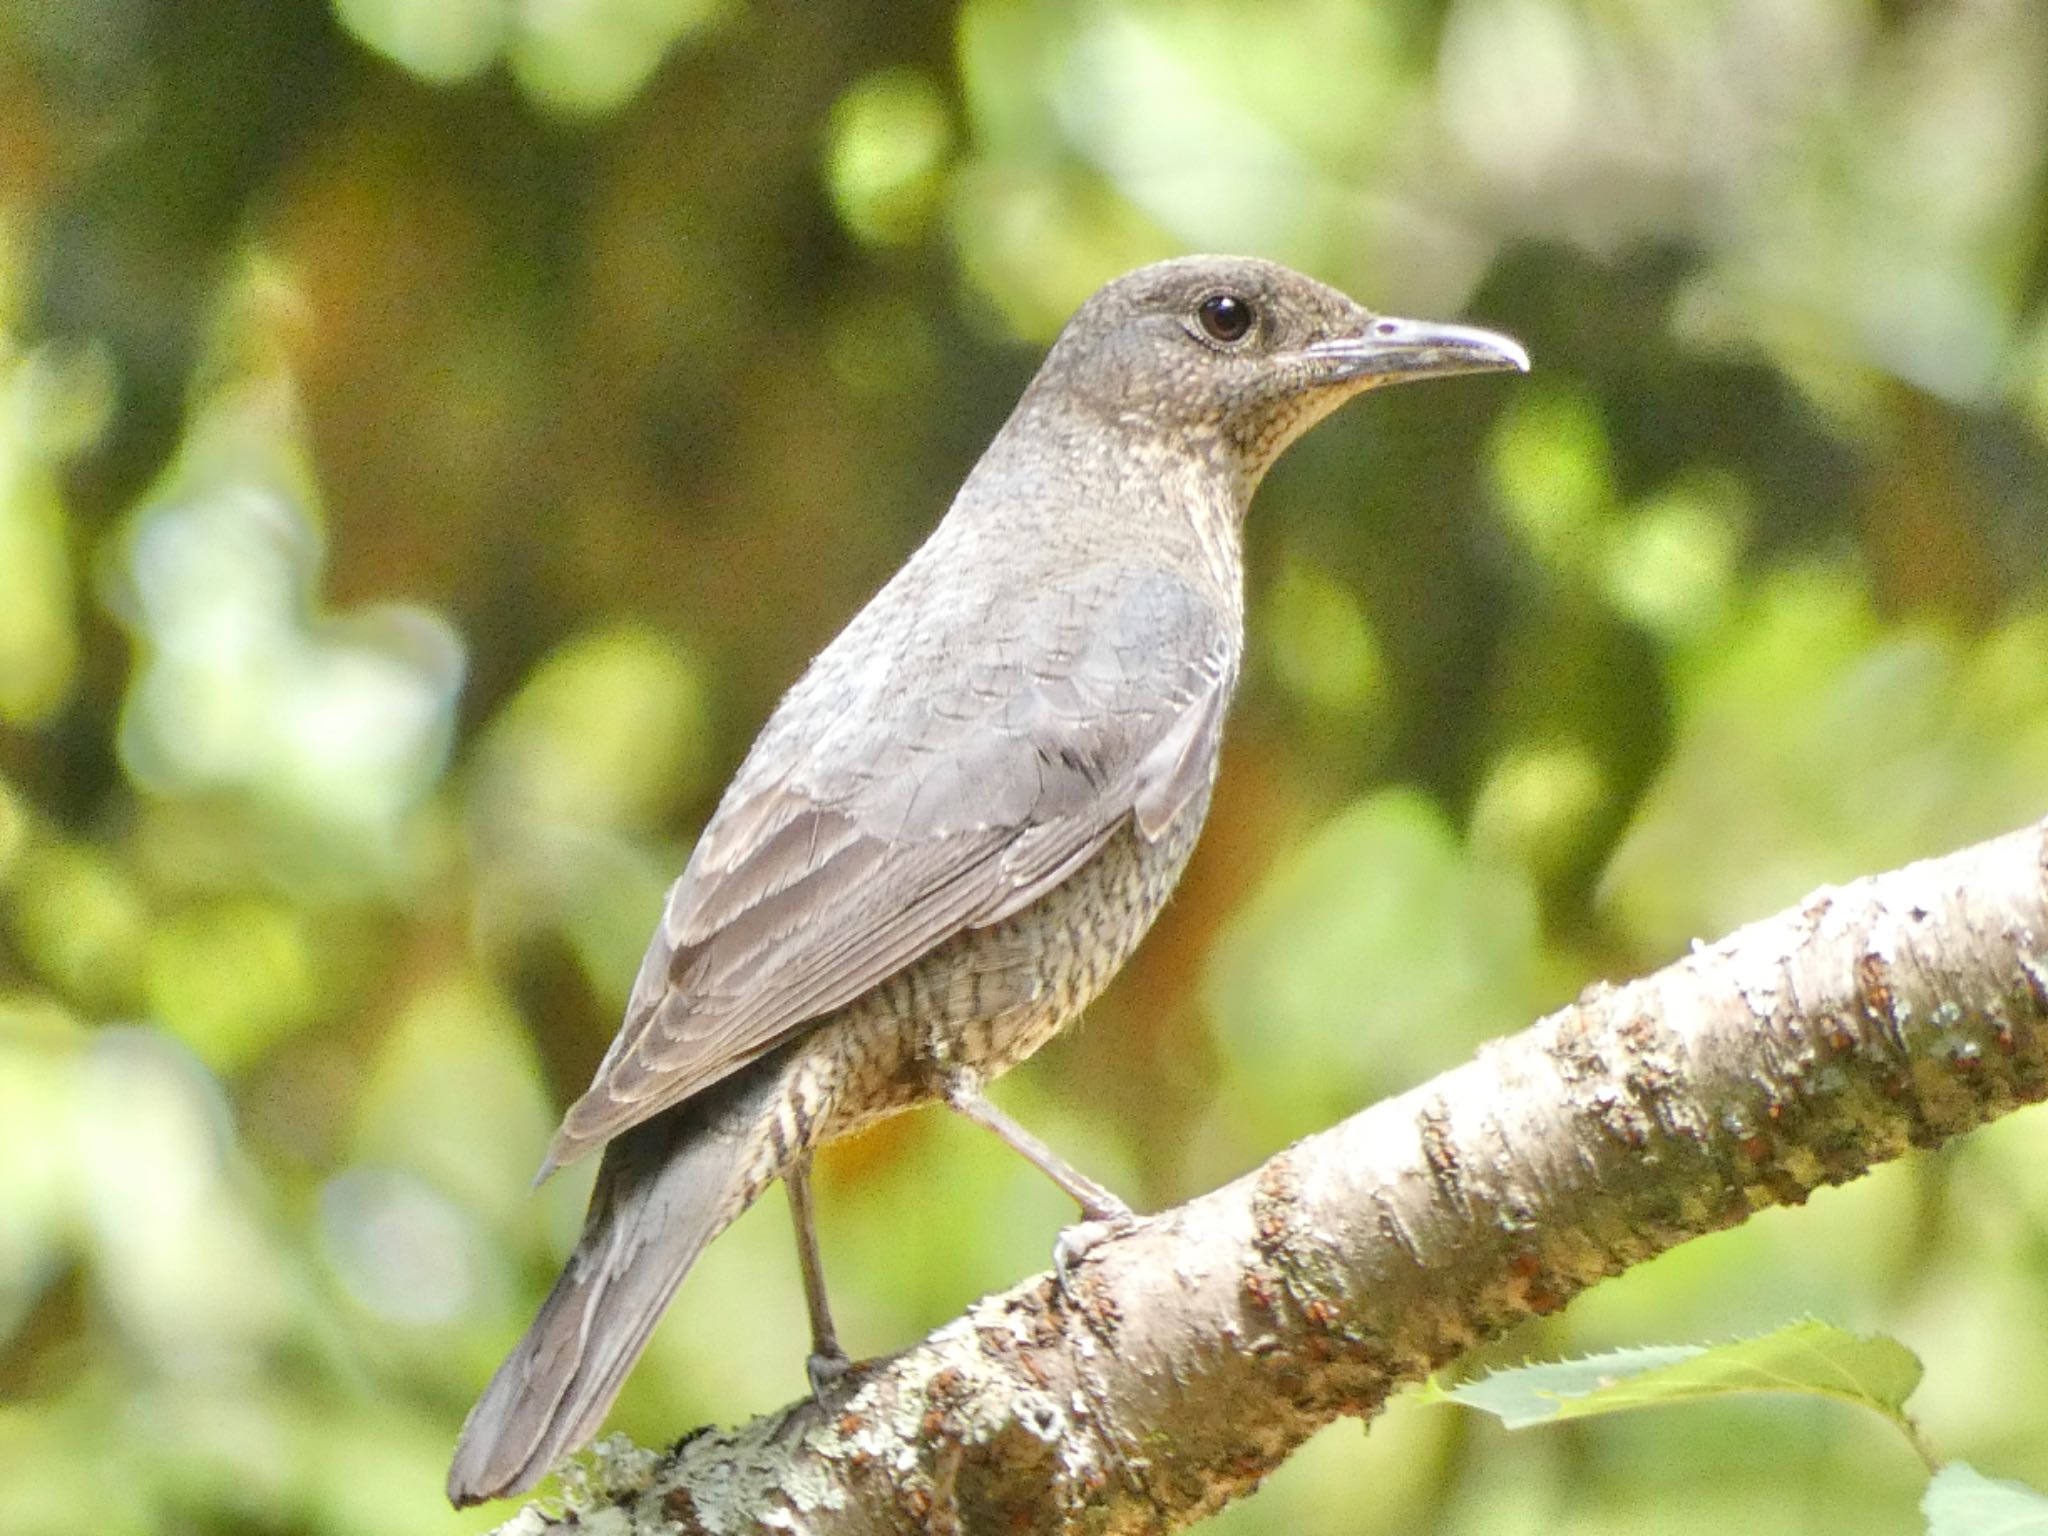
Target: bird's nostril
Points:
(1384, 328)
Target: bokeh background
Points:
(432, 432)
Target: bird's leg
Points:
(963, 1092)
(828, 1361)
(1103, 1212)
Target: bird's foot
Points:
(825, 1370)
(1109, 1219)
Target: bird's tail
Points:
(664, 1190)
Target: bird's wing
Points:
(883, 812)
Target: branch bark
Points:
(1193, 1354)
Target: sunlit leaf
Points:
(1810, 1358)
(455, 1095)
(81, 920)
(38, 635)
(1536, 806)
(883, 162)
(1961, 1501)
(588, 57)
(1322, 644)
(1671, 560)
(334, 726)
(444, 42)
(1553, 474)
(609, 731)
(172, 1236)
(230, 980)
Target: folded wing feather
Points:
(865, 831)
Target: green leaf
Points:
(1805, 1357)
(1961, 1501)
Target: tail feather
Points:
(664, 1190)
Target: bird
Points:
(960, 820)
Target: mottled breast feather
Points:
(874, 821)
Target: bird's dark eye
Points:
(1225, 317)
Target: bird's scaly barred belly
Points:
(984, 1000)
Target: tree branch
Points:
(1197, 1351)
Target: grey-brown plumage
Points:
(959, 822)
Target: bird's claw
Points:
(825, 1370)
(1073, 1244)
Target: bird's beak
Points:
(1390, 351)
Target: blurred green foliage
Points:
(431, 434)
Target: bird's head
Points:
(1236, 357)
